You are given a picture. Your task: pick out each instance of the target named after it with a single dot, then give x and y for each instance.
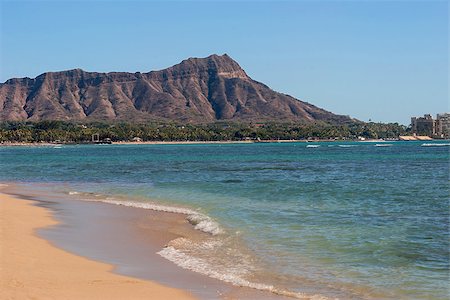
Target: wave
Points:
(216, 257)
(435, 144)
(234, 275)
(200, 221)
(204, 257)
(204, 223)
(202, 266)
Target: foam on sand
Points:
(202, 266)
(217, 256)
(56, 273)
(233, 274)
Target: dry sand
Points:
(32, 268)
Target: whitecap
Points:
(199, 221)
(230, 275)
(435, 144)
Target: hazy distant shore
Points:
(188, 142)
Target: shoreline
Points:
(53, 144)
(48, 144)
(127, 240)
(32, 267)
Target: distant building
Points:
(443, 125)
(427, 126)
(423, 125)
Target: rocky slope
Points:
(196, 90)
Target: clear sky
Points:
(379, 60)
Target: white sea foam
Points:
(199, 221)
(204, 267)
(230, 275)
(151, 206)
(435, 144)
(204, 223)
(196, 256)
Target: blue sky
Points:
(378, 60)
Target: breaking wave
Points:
(216, 256)
(234, 274)
(198, 220)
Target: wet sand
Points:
(128, 239)
(32, 268)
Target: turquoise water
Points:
(345, 219)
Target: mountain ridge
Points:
(197, 90)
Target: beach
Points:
(32, 268)
(110, 245)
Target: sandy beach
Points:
(32, 268)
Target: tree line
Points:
(70, 132)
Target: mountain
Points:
(198, 90)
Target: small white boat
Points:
(312, 146)
(383, 145)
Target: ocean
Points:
(348, 220)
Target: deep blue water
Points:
(370, 221)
